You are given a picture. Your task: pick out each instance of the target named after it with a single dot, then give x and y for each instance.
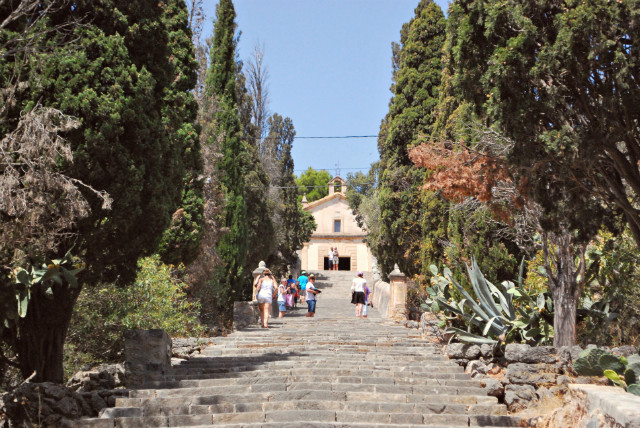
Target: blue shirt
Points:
(302, 280)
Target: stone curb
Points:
(612, 402)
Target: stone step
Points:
(432, 379)
(299, 396)
(335, 418)
(279, 388)
(158, 409)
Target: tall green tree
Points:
(233, 165)
(411, 222)
(314, 184)
(125, 71)
(559, 79)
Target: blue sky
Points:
(329, 64)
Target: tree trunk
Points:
(564, 317)
(566, 281)
(41, 334)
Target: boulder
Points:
(531, 374)
(517, 397)
(461, 350)
(520, 353)
(493, 386)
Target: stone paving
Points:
(333, 370)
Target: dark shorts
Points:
(312, 305)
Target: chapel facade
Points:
(337, 227)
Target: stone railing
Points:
(390, 298)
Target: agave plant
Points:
(502, 313)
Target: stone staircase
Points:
(333, 370)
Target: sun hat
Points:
(304, 272)
(312, 276)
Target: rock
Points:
(461, 350)
(624, 351)
(567, 355)
(97, 402)
(486, 350)
(494, 387)
(564, 380)
(531, 374)
(412, 324)
(543, 393)
(106, 376)
(476, 367)
(517, 397)
(521, 353)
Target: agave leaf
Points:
(474, 306)
(466, 337)
(488, 326)
(481, 288)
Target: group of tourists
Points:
(286, 294)
(334, 260)
(289, 291)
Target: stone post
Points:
(146, 352)
(246, 313)
(397, 294)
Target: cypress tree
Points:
(410, 221)
(234, 162)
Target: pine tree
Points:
(230, 277)
(410, 222)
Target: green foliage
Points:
(588, 362)
(157, 299)
(622, 372)
(411, 224)
(314, 184)
(230, 277)
(34, 279)
(611, 295)
(499, 314)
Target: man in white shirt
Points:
(330, 266)
(312, 292)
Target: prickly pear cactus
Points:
(634, 389)
(587, 362)
(611, 362)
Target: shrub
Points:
(156, 299)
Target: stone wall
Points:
(522, 374)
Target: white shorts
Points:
(264, 300)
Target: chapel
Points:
(337, 227)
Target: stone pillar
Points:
(246, 313)
(397, 294)
(146, 352)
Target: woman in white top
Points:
(358, 297)
(265, 288)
